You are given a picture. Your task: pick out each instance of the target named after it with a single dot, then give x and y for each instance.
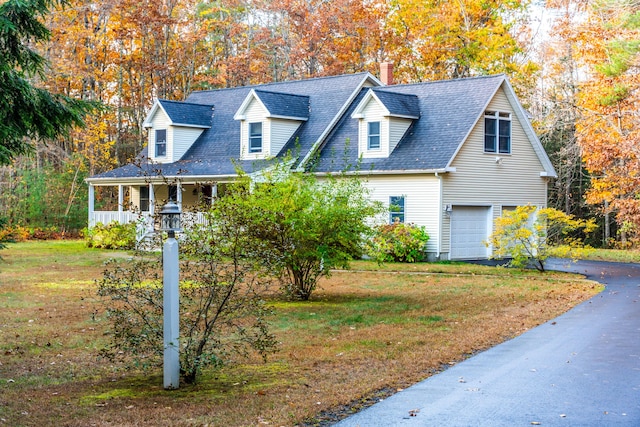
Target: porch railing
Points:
(144, 221)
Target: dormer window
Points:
(373, 135)
(255, 137)
(383, 118)
(268, 120)
(161, 142)
(497, 132)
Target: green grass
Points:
(376, 328)
(615, 255)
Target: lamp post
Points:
(170, 222)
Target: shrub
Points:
(112, 236)
(529, 236)
(399, 242)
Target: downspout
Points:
(120, 203)
(440, 210)
(91, 205)
(152, 207)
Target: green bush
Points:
(111, 236)
(398, 242)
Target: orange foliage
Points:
(609, 128)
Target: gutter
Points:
(156, 179)
(389, 172)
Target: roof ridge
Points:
(184, 102)
(256, 85)
(281, 93)
(432, 82)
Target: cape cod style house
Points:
(449, 155)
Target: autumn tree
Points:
(28, 112)
(436, 39)
(318, 37)
(556, 111)
(609, 128)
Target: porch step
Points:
(149, 241)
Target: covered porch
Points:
(138, 202)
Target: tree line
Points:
(579, 81)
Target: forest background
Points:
(573, 63)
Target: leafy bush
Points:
(111, 236)
(298, 226)
(223, 310)
(399, 242)
(529, 236)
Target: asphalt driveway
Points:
(580, 369)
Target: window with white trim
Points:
(255, 137)
(172, 193)
(161, 142)
(373, 135)
(497, 132)
(396, 209)
(144, 198)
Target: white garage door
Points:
(469, 229)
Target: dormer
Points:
(268, 120)
(384, 117)
(174, 127)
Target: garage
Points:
(469, 231)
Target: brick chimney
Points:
(386, 73)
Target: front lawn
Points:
(366, 333)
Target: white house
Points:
(450, 155)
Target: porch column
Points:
(214, 193)
(152, 200)
(152, 208)
(91, 205)
(179, 194)
(120, 203)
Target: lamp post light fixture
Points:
(170, 222)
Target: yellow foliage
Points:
(529, 235)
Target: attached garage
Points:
(470, 227)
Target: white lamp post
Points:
(170, 222)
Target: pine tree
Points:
(26, 111)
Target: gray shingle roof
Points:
(448, 111)
(284, 104)
(186, 113)
(399, 104)
(216, 151)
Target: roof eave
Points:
(276, 116)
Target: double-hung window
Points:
(255, 137)
(373, 135)
(172, 192)
(144, 199)
(161, 142)
(396, 209)
(497, 132)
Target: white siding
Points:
(281, 132)
(397, 129)
(422, 201)
(183, 139)
(254, 113)
(160, 121)
(373, 112)
(479, 180)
